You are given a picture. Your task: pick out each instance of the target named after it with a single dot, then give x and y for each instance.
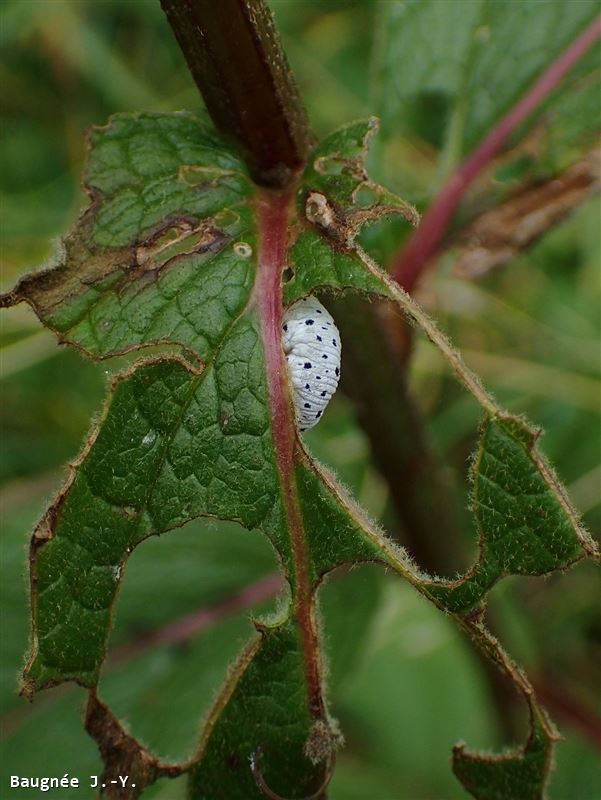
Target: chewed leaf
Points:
(174, 444)
(147, 168)
(336, 197)
(337, 193)
(154, 259)
(261, 732)
(526, 525)
(518, 775)
(337, 170)
(179, 248)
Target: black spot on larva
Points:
(307, 386)
(302, 430)
(324, 356)
(319, 311)
(307, 365)
(323, 394)
(323, 327)
(334, 342)
(318, 415)
(337, 371)
(318, 377)
(319, 339)
(309, 321)
(307, 405)
(285, 327)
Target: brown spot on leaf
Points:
(78, 266)
(81, 264)
(180, 237)
(42, 533)
(342, 226)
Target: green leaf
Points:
(331, 198)
(516, 775)
(524, 524)
(154, 257)
(179, 251)
(337, 170)
(317, 266)
(574, 119)
(276, 743)
(448, 77)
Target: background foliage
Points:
(530, 330)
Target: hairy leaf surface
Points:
(178, 250)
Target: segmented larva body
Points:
(312, 347)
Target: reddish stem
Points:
(183, 628)
(413, 259)
(273, 217)
(272, 213)
(235, 56)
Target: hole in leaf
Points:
(331, 165)
(366, 196)
(174, 640)
(394, 657)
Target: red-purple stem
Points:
(273, 212)
(413, 259)
(183, 628)
(234, 54)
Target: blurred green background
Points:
(403, 682)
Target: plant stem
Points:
(185, 627)
(409, 265)
(274, 211)
(236, 58)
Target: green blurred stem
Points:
(235, 56)
(375, 381)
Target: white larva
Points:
(312, 346)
